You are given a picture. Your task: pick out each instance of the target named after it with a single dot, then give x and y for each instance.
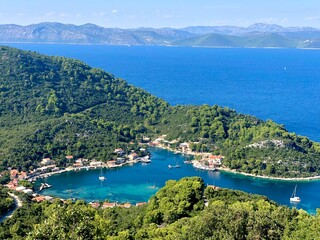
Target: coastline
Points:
(233, 171)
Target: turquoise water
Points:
(278, 84)
(136, 183)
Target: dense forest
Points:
(184, 209)
(55, 106)
(6, 202)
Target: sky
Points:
(162, 13)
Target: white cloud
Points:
(114, 11)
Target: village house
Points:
(23, 175)
(125, 205)
(132, 156)
(184, 147)
(13, 184)
(215, 160)
(46, 168)
(41, 198)
(14, 173)
(78, 163)
(109, 205)
(145, 139)
(46, 161)
(119, 151)
(120, 160)
(112, 163)
(140, 204)
(95, 205)
(95, 163)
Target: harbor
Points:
(138, 182)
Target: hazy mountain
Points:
(256, 35)
(261, 40)
(211, 39)
(88, 34)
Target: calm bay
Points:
(278, 84)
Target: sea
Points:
(278, 84)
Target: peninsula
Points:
(53, 107)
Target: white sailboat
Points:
(101, 177)
(294, 198)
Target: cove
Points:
(137, 183)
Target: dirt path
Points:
(17, 204)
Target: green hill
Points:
(210, 40)
(257, 40)
(268, 40)
(54, 106)
(177, 211)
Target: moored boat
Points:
(295, 198)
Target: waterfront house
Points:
(78, 163)
(95, 205)
(140, 204)
(184, 147)
(95, 163)
(38, 199)
(41, 198)
(120, 160)
(125, 205)
(132, 156)
(215, 160)
(109, 205)
(46, 168)
(112, 163)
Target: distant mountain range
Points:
(256, 35)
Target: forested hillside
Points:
(54, 106)
(177, 211)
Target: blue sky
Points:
(162, 13)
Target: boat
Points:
(101, 177)
(174, 166)
(43, 186)
(145, 159)
(294, 198)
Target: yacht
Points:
(101, 177)
(294, 198)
